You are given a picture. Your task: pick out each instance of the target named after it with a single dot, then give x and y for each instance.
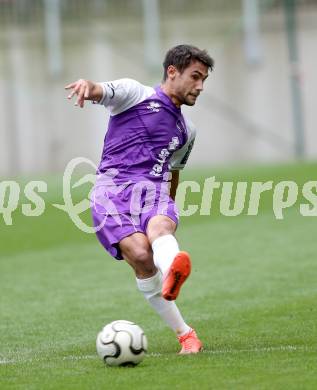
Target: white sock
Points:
(151, 289)
(165, 248)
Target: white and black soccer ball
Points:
(121, 343)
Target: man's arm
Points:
(174, 184)
(117, 96)
(85, 90)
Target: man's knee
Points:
(141, 259)
(138, 253)
(160, 225)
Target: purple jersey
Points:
(147, 134)
(147, 137)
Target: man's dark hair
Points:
(182, 56)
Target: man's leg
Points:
(174, 264)
(175, 267)
(137, 251)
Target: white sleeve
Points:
(180, 157)
(120, 95)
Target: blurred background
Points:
(257, 105)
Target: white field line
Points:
(291, 348)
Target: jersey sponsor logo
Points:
(162, 157)
(154, 107)
(157, 168)
(173, 144)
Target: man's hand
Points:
(85, 90)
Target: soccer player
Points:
(147, 142)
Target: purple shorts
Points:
(119, 212)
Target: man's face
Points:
(188, 85)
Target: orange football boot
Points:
(190, 343)
(176, 276)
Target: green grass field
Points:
(251, 297)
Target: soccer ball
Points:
(121, 343)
